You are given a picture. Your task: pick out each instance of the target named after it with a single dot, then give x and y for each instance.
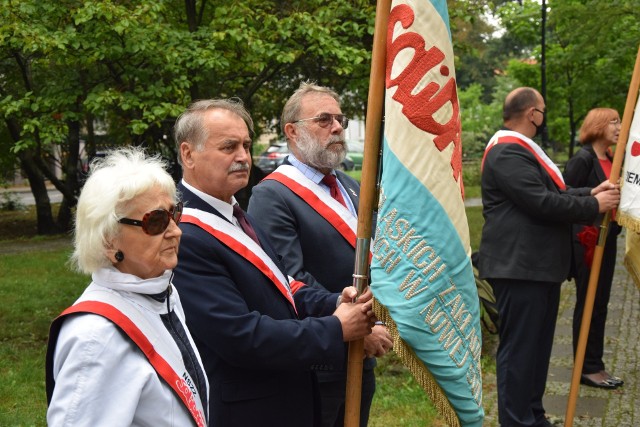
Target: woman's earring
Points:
(119, 255)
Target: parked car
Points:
(355, 153)
(347, 164)
(274, 155)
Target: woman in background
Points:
(590, 166)
(122, 355)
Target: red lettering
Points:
(184, 388)
(420, 107)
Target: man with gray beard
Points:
(260, 334)
(309, 209)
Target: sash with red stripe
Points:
(236, 240)
(159, 363)
(511, 137)
(326, 206)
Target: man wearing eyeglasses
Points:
(525, 250)
(260, 334)
(309, 210)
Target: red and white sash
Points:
(238, 241)
(326, 206)
(162, 354)
(511, 137)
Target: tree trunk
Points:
(573, 136)
(46, 224)
(71, 179)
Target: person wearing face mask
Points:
(307, 204)
(525, 250)
(122, 354)
(591, 165)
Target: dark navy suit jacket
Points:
(315, 253)
(257, 354)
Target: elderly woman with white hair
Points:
(122, 355)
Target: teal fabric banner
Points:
(421, 268)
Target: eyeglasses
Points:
(615, 122)
(326, 119)
(543, 112)
(156, 221)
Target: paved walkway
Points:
(25, 197)
(595, 407)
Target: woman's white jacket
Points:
(101, 377)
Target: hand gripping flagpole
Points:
(368, 193)
(616, 167)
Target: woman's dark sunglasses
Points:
(156, 221)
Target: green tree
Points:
(72, 70)
(471, 30)
(591, 49)
(481, 120)
(594, 49)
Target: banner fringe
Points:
(632, 255)
(629, 222)
(632, 270)
(419, 371)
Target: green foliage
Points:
(479, 121)
(116, 73)
(470, 27)
(127, 69)
(471, 174)
(121, 61)
(589, 60)
(521, 21)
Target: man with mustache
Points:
(260, 335)
(306, 206)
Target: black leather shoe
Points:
(615, 380)
(602, 384)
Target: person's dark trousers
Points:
(528, 312)
(593, 362)
(332, 400)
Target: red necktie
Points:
(330, 181)
(244, 224)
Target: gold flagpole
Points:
(632, 96)
(375, 104)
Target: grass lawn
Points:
(34, 288)
(36, 285)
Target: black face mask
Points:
(541, 126)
